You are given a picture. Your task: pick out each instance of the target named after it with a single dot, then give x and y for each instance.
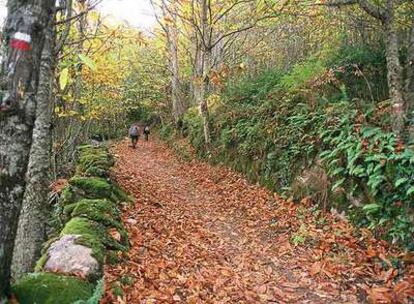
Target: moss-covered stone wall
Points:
(89, 232)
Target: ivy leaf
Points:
(400, 181)
(410, 191)
(63, 78)
(338, 183)
(371, 207)
(337, 171)
(88, 61)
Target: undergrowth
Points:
(296, 135)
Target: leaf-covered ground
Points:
(204, 234)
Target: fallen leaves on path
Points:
(203, 234)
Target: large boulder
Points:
(67, 257)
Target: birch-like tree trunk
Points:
(204, 64)
(409, 84)
(31, 232)
(24, 37)
(394, 69)
(77, 125)
(178, 105)
(386, 15)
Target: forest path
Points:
(204, 234)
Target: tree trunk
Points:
(203, 98)
(24, 37)
(409, 85)
(205, 64)
(175, 96)
(394, 75)
(31, 232)
(76, 135)
(178, 106)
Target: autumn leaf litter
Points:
(203, 234)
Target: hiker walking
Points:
(134, 135)
(146, 132)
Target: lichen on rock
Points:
(69, 258)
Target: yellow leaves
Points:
(198, 80)
(87, 61)
(60, 113)
(63, 78)
(214, 101)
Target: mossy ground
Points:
(48, 288)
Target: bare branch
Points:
(66, 30)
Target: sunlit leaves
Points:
(87, 61)
(63, 78)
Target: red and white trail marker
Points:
(21, 41)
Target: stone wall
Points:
(88, 233)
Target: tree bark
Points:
(31, 232)
(178, 106)
(205, 62)
(24, 37)
(175, 83)
(409, 85)
(76, 135)
(394, 68)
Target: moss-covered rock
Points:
(48, 288)
(69, 195)
(121, 195)
(65, 256)
(94, 162)
(99, 210)
(93, 234)
(93, 187)
(81, 187)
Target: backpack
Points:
(134, 131)
(146, 130)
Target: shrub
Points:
(267, 129)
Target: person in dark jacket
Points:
(134, 135)
(146, 132)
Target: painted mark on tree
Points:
(21, 41)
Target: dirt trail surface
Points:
(203, 234)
